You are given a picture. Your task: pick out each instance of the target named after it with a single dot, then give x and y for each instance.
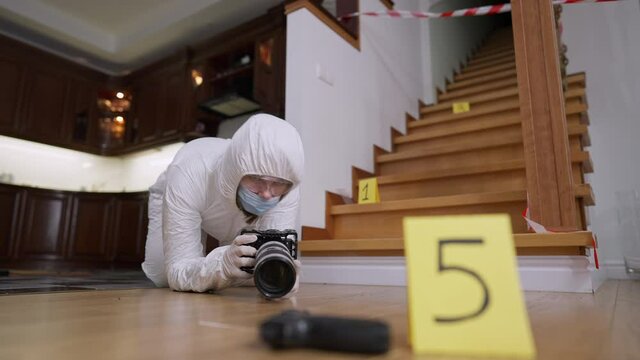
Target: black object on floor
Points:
(296, 329)
(4, 272)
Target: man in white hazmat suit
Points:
(218, 187)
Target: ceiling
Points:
(118, 36)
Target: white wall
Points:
(448, 42)
(603, 40)
(39, 165)
(366, 92)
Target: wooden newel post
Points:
(544, 127)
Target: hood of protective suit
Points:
(264, 145)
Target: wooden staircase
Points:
(467, 163)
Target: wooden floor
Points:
(160, 324)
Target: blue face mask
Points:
(253, 203)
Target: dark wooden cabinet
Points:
(159, 105)
(82, 129)
(130, 228)
(146, 110)
(10, 201)
(71, 228)
(91, 220)
(44, 225)
(173, 101)
(269, 72)
(12, 73)
(46, 100)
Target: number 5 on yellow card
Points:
(463, 287)
(368, 191)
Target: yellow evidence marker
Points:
(461, 107)
(368, 191)
(463, 287)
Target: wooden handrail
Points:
(326, 17)
(329, 19)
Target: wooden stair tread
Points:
(480, 67)
(494, 95)
(576, 157)
(585, 192)
(506, 106)
(482, 79)
(450, 172)
(492, 58)
(585, 159)
(578, 129)
(448, 149)
(481, 72)
(473, 90)
(578, 79)
(492, 49)
(465, 127)
(489, 96)
(570, 109)
(491, 53)
(432, 202)
(577, 238)
(575, 93)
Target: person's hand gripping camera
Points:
(270, 256)
(238, 256)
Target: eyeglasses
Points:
(258, 184)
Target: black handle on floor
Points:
(299, 329)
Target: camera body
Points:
(275, 272)
(289, 238)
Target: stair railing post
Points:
(544, 127)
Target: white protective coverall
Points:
(197, 195)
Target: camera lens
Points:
(275, 272)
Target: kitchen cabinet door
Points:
(45, 105)
(44, 226)
(10, 201)
(148, 110)
(269, 72)
(130, 228)
(12, 74)
(90, 227)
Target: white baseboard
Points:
(616, 270)
(537, 273)
(556, 273)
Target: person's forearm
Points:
(200, 274)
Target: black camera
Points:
(274, 272)
(296, 329)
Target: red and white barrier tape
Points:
(541, 229)
(476, 11)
